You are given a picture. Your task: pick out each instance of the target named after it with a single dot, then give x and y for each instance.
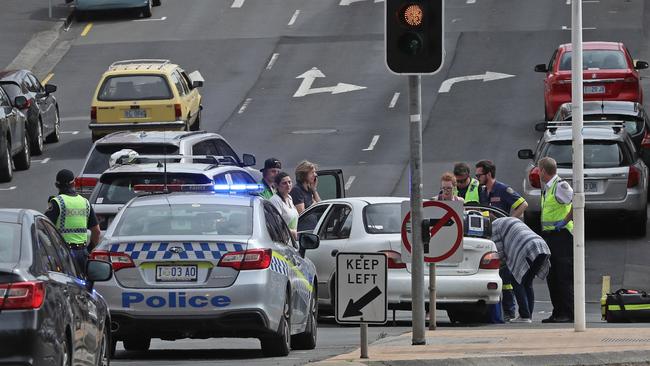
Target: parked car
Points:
(141, 7)
(146, 95)
(49, 313)
(14, 141)
(373, 224)
(156, 143)
(42, 109)
(609, 73)
(615, 177)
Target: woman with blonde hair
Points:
(305, 192)
(448, 190)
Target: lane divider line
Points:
(372, 143)
(86, 29)
(393, 101)
(237, 3)
(349, 182)
(71, 132)
(564, 27)
(471, 1)
(245, 105)
(8, 189)
(272, 61)
(42, 161)
(150, 19)
(294, 17)
(47, 78)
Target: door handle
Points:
(334, 252)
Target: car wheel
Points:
(105, 353)
(279, 344)
(37, 139)
(66, 355)
(156, 3)
(197, 122)
(55, 136)
(23, 160)
(146, 11)
(137, 344)
(6, 167)
(307, 339)
(468, 314)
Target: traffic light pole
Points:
(417, 262)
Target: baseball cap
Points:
(64, 176)
(271, 163)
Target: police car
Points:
(201, 265)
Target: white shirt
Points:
(563, 193)
(287, 210)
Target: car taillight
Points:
(117, 259)
(93, 113)
(633, 177)
(490, 260)
(645, 143)
(178, 111)
(22, 295)
(394, 259)
(534, 179)
(248, 259)
(81, 183)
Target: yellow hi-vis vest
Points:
(471, 195)
(73, 218)
(554, 211)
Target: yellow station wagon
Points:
(146, 95)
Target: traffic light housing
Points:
(414, 36)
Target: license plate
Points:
(176, 273)
(135, 113)
(591, 186)
(595, 89)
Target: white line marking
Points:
(42, 161)
(8, 189)
(564, 27)
(76, 118)
(294, 17)
(471, 1)
(272, 61)
(243, 107)
(150, 19)
(71, 132)
(237, 4)
(372, 143)
(349, 182)
(568, 2)
(415, 118)
(393, 101)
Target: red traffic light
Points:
(411, 15)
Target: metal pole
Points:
(417, 261)
(432, 296)
(364, 340)
(50, 9)
(578, 169)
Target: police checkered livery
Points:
(280, 266)
(140, 251)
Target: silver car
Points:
(616, 179)
(201, 265)
(373, 224)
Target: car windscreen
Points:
(9, 242)
(632, 125)
(597, 154)
(382, 218)
(134, 87)
(12, 89)
(99, 157)
(596, 60)
(185, 219)
(118, 188)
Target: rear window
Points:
(597, 154)
(9, 242)
(118, 189)
(99, 157)
(134, 87)
(13, 90)
(596, 60)
(382, 218)
(186, 219)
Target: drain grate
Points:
(625, 340)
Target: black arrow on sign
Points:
(353, 308)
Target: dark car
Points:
(42, 110)
(14, 144)
(49, 315)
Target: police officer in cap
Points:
(73, 215)
(272, 167)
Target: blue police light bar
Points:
(238, 188)
(215, 188)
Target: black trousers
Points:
(560, 276)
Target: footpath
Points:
(530, 347)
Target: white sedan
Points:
(372, 224)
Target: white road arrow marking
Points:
(488, 76)
(308, 80)
(348, 2)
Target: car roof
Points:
(15, 215)
(192, 198)
(141, 65)
(151, 137)
(12, 75)
(588, 133)
(171, 168)
(370, 200)
(595, 46)
(607, 107)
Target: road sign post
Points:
(361, 282)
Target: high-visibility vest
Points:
(471, 195)
(554, 211)
(73, 218)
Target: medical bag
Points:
(626, 306)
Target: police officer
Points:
(468, 187)
(73, 215)
(557, 230)
(272, 167)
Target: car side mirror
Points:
(308, 241)
(49, 88)
(541, 127)
(248, 160)
(525, 154)
(20, 102)
(97, 270)
(541, 68)
(640, 65)
(197, 79)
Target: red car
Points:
(609, 73)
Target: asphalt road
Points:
(251, 58)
